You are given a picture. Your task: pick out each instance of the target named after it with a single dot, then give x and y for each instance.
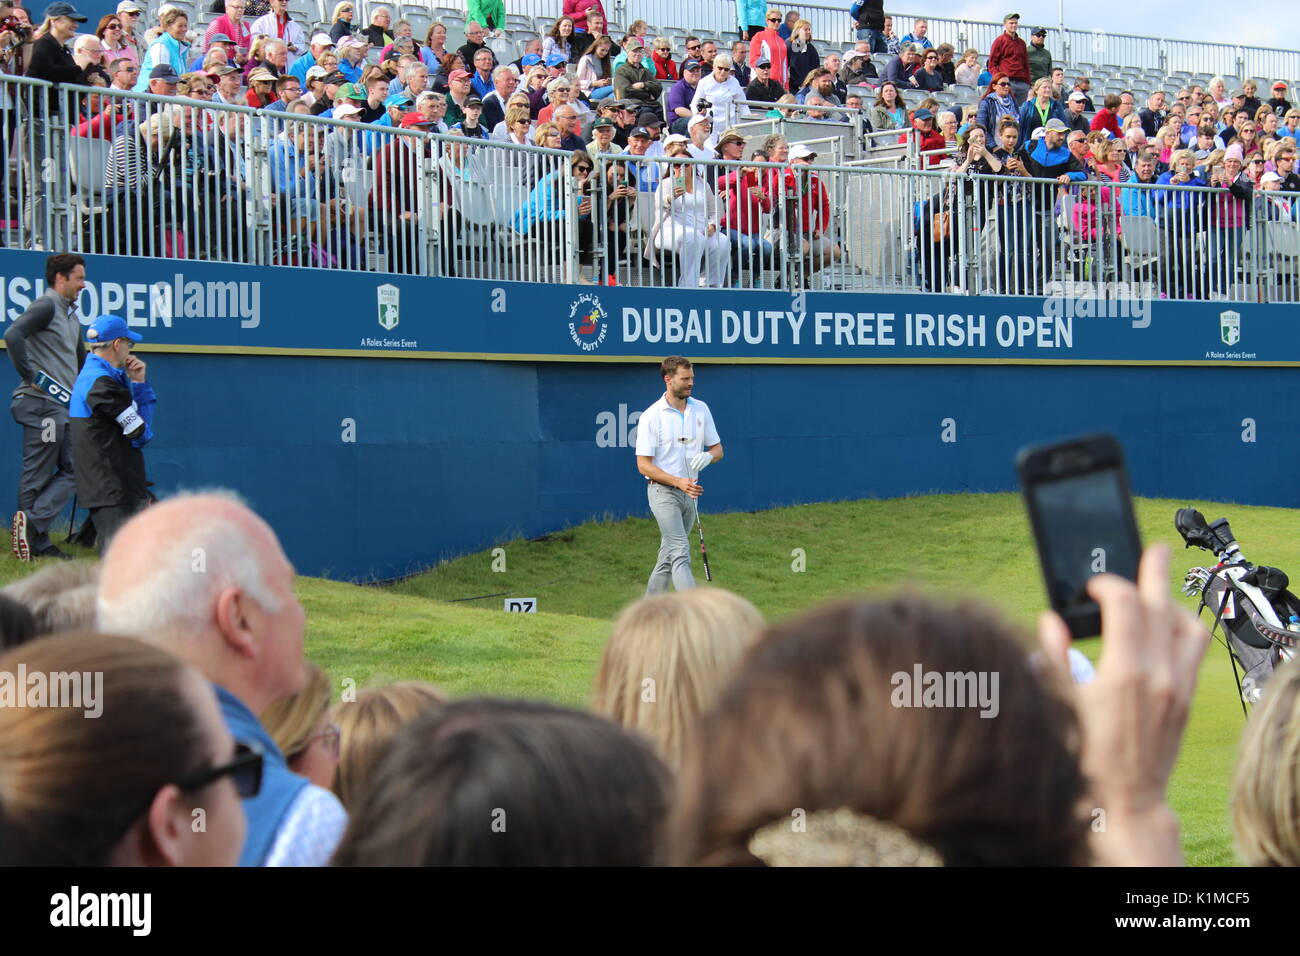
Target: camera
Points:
(20, 29)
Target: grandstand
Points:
(474, 219)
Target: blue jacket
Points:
(110, 419)
(280, 786)
(1044, 163)
(1030, 119)
(991, 109)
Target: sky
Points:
(1201, 20)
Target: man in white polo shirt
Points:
(675, 440)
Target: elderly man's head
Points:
(1126, 104)
(566, 118)
(277, 54)
(1135, 137)
(474, 32)
(206, 578)
(1078, 144)
(505, 80)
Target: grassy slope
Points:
(949, 546)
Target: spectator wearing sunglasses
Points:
(723, 92)
(240, 623)
(768, 44)
(929, 77)
(996, 103)
(84, 792)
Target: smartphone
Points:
(1081, 510)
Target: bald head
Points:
(205, 577)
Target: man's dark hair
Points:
(511, 783)
(669, 366)
(61, 264)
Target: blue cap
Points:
(557, 59)
(399, 99)
(61, 9)
(220, 38)
(108, 328)
(531, 59)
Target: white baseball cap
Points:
(322, 39)
(801, 151)
(674, 138)
(697, 119)
(344, 110)
(129, 6)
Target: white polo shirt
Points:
(674, 437)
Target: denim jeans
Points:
(675, 512)
(876, 38)
(600, 93)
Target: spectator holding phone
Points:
(686, 222)
(111, 414)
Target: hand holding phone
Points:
(1081, 511)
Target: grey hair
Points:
(174, 594)
(61, 597)
(503, 69)
(556, 83)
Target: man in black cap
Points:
(606, 109)
(654, 124)
(624, 117)
(1040, 59)
(163, 80)
(111, 414)
(762, 88)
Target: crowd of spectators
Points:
(713, 738)
(576, 88)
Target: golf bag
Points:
(1260, 617)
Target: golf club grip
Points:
(708, 575)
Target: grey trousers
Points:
(45, 485)
(675, 512)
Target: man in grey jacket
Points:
(44, 343)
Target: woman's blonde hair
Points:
(667, 660)
(171, 16)
(517, 114)
(799, 25)
(338, 8)
(1266, 788)
(292, 720)
(368, 725)
(1178, 155)
(542, 131)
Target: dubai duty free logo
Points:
(1230, 327)
(588, 323)
(389, 297)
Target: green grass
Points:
(948, 546)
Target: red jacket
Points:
(577, 11)
(665, 68)
(926, 142)
(743, 208)
(1009, 55)
(808, 209)
(776, 52)
(1105, 119)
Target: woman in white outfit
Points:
(686, 223)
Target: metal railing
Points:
(188, 179)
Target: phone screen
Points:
(1086, 529)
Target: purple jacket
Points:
(680, 95)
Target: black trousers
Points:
(109, 519)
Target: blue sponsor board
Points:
(197, 306)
